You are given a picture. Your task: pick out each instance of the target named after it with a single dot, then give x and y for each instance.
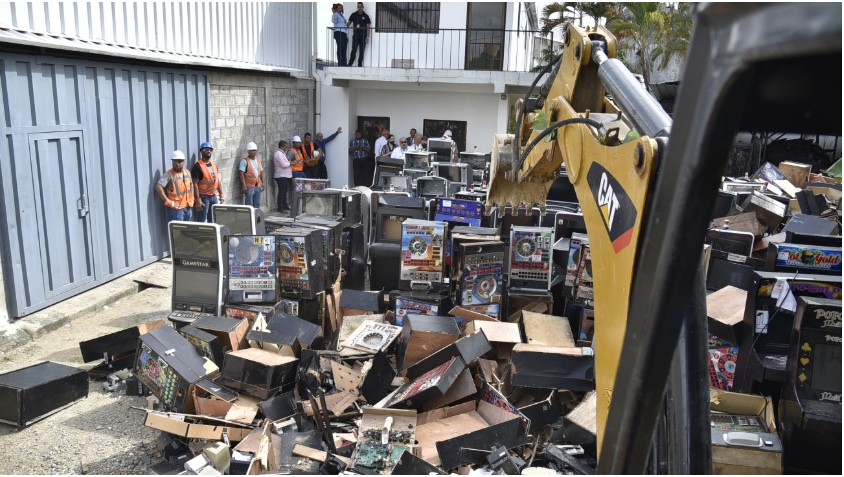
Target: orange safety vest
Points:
(253, 179)
(179, 191)
(297, 165)
(208, 185)
(309, 158)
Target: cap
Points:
(297, 139)
(177, 155)
(447, 133)
(206, 145)
(251, 147)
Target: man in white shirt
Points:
(398, 153)
(417, 144)
(381, 142)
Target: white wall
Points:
(485, 114)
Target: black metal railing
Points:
(447, 49)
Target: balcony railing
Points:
(449, 49)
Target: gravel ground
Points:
(100, 434)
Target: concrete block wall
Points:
(256, 108)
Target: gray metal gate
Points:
(81, 145)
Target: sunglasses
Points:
(404, 142)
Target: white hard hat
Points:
(251, 147)
(297, 139)
(177, 155)
(316, 154)
(447, 133)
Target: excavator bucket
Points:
(503, 189)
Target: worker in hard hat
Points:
(251, 176)
(208, 181)
(176, 189)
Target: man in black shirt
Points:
(360, 22)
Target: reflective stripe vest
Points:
(179, 191)
(297, 165)
(208, 185)
(309, 158)
(253, 179)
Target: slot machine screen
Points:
(193, 243)
(189, 283)
(239, 219)
(739, 243)
(416, 160)
(451, 172)
(320, 204)
(826, 368)
(442, 147)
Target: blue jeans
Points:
(253, 197)
(342, 41)
(205, 214)
(179, 214)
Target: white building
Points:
(429, 66)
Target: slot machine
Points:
(479, 162)
(252, 269)
(419, 160)
(530, 258)
(385, 251)
(332, 228)
(430, 187)
(354, 258)
(319, 202)
(456, 212)
(386, 166)
(300, 264)
(351, 206)
(414, 175)
(459, 176)
(441, 148)
(479, 273)
(810, 407)
(301, 184)
(402, 183)
(196, 250)
(419, 303)
(240, 219)
(790, 257)
(422, 255)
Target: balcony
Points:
(484, 55)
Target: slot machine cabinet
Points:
(169, 366)
(351, 206)
(455, 173)
(320, 202)
(506, 217)
(479, 273)
(275, 221)
(419, 160)
(423, 255)
(793, 257)
(466, 234)
(478, 162)
(240, 219)
(386, 166)
(326, 257)
(385, 251)
(810, 407)
(768, 323)
(301, 185)
(430, 187)
(404, 303)
(530, 258)
(730, 241)
(252, 269)
(402, 183)
(300, 265)
(196, 250)
(354, 258)
(456, 212)
(440, 147)
(414, 175)
(332, 227)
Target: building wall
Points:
(483, 111)
(268, 33)
(255, 108)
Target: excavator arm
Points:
(611, 177)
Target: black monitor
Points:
(386, 166)
(442, 147)
(320, 202)
(567, 222)
(390, 220)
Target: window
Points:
(411, 17)
(485, 38)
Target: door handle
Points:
(82, 205)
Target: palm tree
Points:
(677, 33)
(597, 10)
(557, 14)
(642, 28)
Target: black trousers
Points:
(283, 184)
(358, 40)
(362, 171)
(312, 172)
(342, 41)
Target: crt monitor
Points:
(418, 160)
(390, 220)
(320, 202)
(396, 183)
(431, 187)
(453, 172)
(442, 147)
(240, 219)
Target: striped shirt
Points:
(362, 142)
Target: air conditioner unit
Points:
(401, 63)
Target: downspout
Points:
(315, 74)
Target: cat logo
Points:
(616, 208)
